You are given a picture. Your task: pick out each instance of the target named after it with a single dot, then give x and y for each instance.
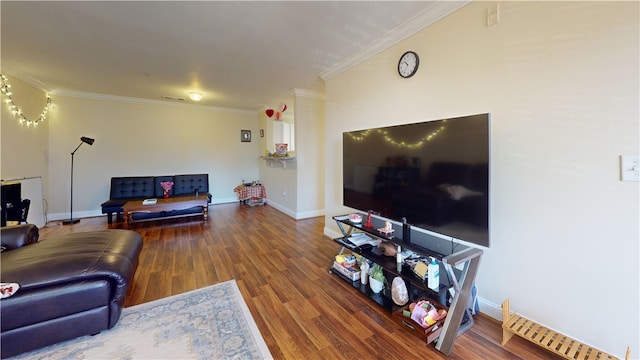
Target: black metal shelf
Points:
(389, 266)
(396, 237)
(450, 258)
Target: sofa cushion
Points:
(54, 302)
(108, 254)
(14, 237)
(70, 285)
(187, 184)
(132, 187)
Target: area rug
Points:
(208, 323)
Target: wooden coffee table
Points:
(172, 203)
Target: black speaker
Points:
(11, 197)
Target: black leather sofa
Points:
(127, 188)
(70, 286)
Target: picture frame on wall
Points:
(245, 135)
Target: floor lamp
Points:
(83, 140)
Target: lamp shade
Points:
(87, 140)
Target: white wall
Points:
(24, 148)
(280, 183)
(298, 189)
(136, 137)
(310, 154)
(560, 80)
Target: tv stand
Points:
(451, 258)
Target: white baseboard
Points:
(309, 214)
(281, 208)
(228, 200)
(490, 309)
(76, 215)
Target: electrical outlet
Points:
(630, 168)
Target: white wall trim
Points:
(490, 309)
(436, 11)
(9, 69)
(124, 99)
(309, 214)
(281, 208)
(308, 94)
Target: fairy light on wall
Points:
(399, 143)
(5, 89)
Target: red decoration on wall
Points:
(278, 114)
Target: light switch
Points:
(630, 168)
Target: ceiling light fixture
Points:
(195, 96)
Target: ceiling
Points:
(238, 54)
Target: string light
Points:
(361, 136)
(5, 89)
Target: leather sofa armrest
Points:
(14, 237)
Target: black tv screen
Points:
(433, 173)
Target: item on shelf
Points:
(388, 248)
(433, 274)
(346, 259)
(429, 333)
(281, 149)
(375, 285)
(425, 314)
(369, 223)
(387, 229)
(355, 218)
(364, 272)
(360, 239)
(351, 273)
(376, 278)
(399, 292)
(420, 269)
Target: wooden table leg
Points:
(205, 211)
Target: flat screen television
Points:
(435, 174)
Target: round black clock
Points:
(408, 64)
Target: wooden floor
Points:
(280, 265)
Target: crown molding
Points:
(124, 99)
(13, 71)
(307, 94)
(436, 11)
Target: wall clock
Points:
(408, 64)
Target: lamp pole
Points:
(71, 220)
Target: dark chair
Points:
(16, 212)
(24, 211)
